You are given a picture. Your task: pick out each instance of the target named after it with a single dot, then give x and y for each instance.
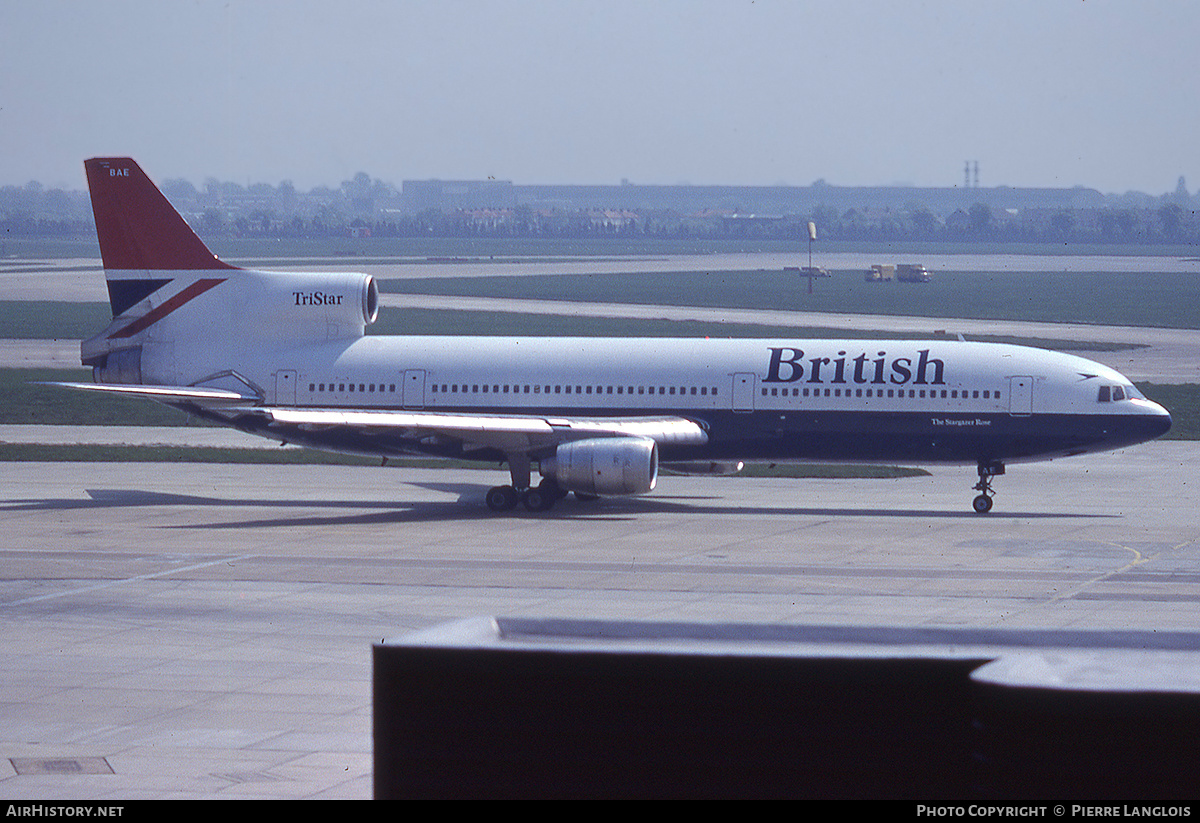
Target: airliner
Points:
(285, 356)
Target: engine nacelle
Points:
(610, 465)
(120, 366)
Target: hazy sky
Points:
(1100, 93)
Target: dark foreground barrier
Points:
(503, 707)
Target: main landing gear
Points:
(983, 503)
(537, 498)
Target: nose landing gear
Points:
(983, 503)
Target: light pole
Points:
(812, 235)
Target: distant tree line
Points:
(366, 206)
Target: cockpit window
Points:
(1114, 393)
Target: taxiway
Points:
(183, 631)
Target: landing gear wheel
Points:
(536, 500)
(982, 504)
(543, 496)
(502, 498)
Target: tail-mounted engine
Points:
(314, 306)
(244, 310)
(605, 466)
(120, 366)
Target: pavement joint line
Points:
(140, 577)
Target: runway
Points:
(204, 631)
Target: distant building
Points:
(456, 195)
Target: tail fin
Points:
(153, 263)
(136, 226)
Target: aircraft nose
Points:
(1149, 421)
(1160, 421)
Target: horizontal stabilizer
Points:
(167, 394)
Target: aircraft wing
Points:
(513, 433)
(509, 432)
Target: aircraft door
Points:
(743, 391)
(414, 389)
(1020, 395)
(285, 388)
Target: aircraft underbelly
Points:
(826, 436)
